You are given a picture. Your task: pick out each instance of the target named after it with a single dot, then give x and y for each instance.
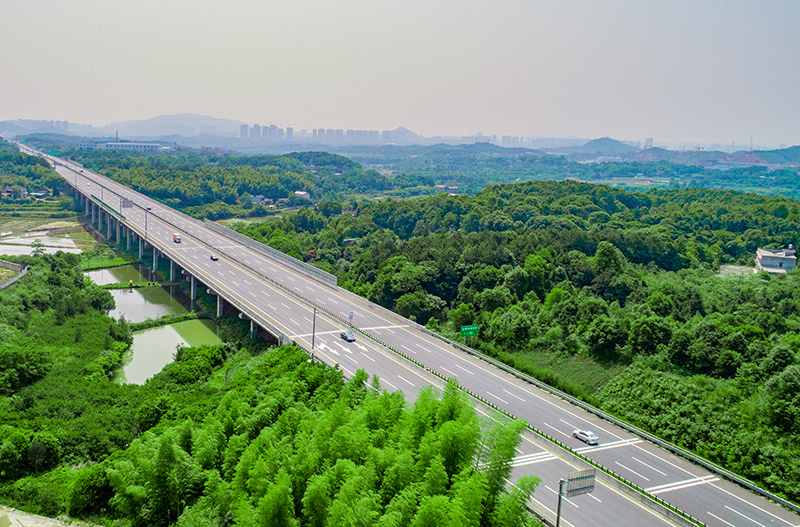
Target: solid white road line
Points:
(608, 446)
(679, 485)
(752, 505)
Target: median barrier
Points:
(708, 465)
(301, 266)
(319, 274)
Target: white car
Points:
(586, 436)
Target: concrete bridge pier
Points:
(172, 270)
(155, 259)
(253, 329)
(108, 226)
(193, 295)
(141, 248)
(220, 305)
(119, 227)
(128, 236)
(94, 211)
(100, 213)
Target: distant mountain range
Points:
(200, 130)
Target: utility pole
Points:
(313, 331)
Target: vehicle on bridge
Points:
(177, 238)
(214, 257)
(348, 336)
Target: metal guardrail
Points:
(313, 272)
(14, 279)
(675, 449)
(307, 269)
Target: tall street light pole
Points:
(313, 331)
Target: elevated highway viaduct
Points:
(642, 480)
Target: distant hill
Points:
(603, 145)
(184, 124)
(403, 136)
(438, 149)
(784, 155)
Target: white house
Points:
(776, 261)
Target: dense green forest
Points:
(204, 184)
(30, 172)
(592, 288)
(226, 435)
(610, 295)
(473, 167)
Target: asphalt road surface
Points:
(248, 279)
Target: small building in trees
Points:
(776, 261)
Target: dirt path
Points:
(15, 518)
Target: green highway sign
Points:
(469, 331)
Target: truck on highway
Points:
(176, 237)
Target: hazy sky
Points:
(710, 71)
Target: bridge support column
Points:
(118, 239)
(94, 211)
(141, 248)
(128, 236)
(172, 270)
(253, 329)
(193, 294)
(220, 305)
(155, 259)
(100, 213)
(108, 226)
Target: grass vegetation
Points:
(586, 287)
(230, 434)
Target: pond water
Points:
(69, 237)
(137, 304)
(153, 348)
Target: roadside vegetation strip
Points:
(602, 468)
(162, 321)
(690, 456)
(137, 285)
